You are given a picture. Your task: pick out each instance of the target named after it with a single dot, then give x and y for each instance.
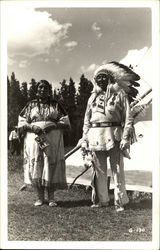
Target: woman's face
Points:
(102, 81)
(43, 90)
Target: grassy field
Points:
(73, 219)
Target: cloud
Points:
(10, 61)
(97, 30)
(31, 32)
(23, 64)
(95, 27)
(71, 45)
(57, 60)
(46, 60)
(105, 61)
(90, 68)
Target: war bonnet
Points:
(120, 77)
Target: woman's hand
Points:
(29, 128)
(124, 144)
(21, 131)
(36, 129)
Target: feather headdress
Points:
(121, 77)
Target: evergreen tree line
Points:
(74, 100)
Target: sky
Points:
(58, 43)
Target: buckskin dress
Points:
(44, 167)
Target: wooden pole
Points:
(144, 95)
(72, 151)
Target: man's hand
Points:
(124, 144)
(84, 145)
(84, 148)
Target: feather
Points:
(124, 83)
(133, 92)
(123, 72)
(136, 84)
(124, 86)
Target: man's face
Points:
(102, 81)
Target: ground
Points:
(73, 219)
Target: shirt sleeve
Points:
(128, 119)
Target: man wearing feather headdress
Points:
(108, 129)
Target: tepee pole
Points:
(144, 95)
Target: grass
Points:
(73, 219)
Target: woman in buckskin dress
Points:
(107, 132)
(42, 122)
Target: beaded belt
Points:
(105, 124)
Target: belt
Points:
(105, 124)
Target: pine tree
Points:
(72, 111)
(84, 92)
(14, 101)
(50, 90)
(64, 94)
(71, 96)
(8, 92)
(63, 98)
(32, 89)
(8, 103)
(24, 94)
(56, 94)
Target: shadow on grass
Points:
(140, 205)
(143, 201)
(79, 203)
(144, 204)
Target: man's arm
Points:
(128, 124)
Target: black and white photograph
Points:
(80, 125)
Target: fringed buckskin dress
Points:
(44, 167)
